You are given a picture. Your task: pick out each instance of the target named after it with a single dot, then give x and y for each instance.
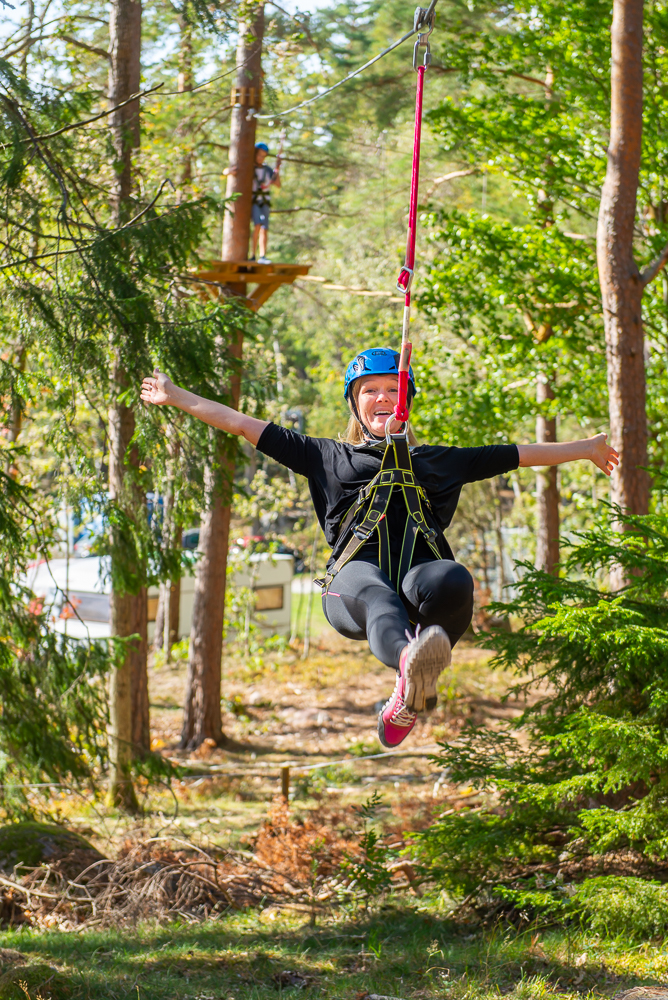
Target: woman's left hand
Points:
(602, 454)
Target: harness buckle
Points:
(364, 534)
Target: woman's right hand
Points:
(158, 390)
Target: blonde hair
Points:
(354, 433)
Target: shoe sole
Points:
(381, 732)
(426, 661)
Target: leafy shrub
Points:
(630, 907)
(588, 776)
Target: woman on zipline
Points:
(392, 578)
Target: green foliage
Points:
(86, 310)
(583, 771)
(532, 113)
(52, 701)
(366, 874)
(630, 908)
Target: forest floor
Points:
(316, 715)
(283, 709)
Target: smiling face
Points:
(376, 399)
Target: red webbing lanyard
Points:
(405, 278)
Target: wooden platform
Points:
(218, 275)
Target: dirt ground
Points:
(280, 709)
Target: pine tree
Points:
(583, 771)
(94, 299)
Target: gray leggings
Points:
(363, 604)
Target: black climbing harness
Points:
(368, 515)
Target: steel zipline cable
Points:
(409, 34)
(218, 770)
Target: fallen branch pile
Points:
(295, 863)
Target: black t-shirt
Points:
(336, 472)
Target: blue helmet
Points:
(262, 145)
(375, 361)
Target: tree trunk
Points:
(201, 713)
(500, 547)
(141, 728)
(129, 683)
(185, 84)
(167, 617)
(15, 416)
(236, 224)
(125, 617)
(172, 616)
(547, 490)
(621, 285)
(169, 600)
(124, 81)
(159, 633)
(202, 718)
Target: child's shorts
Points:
(260, 215)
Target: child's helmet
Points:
(375, 361)
(262, 145)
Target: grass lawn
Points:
(406, 951)
(282, 707)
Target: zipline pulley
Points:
(423, 23)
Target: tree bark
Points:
(621, 283)
(125, 616)
(124, 81)
(159, 633)
(202, 717)
(169, 600)
(129, 729)
(201, 714)
(185, 84)
(141, 727)
(237, 220)
(547, 490)
(167, 617)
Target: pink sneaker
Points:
(421, 662)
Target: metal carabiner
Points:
(416, 53)
(402, 433)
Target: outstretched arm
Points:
(161, 391)
(595, 449)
